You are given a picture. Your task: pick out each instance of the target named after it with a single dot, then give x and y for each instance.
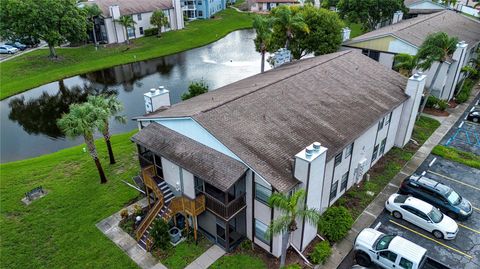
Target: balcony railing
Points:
(225, 211)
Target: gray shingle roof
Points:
(210, 165)
(267, 118)
(417, 29)
(128, 7)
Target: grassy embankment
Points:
(35, 68)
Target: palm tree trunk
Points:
(53, 53)
(94, 35)
(262, 68)
(159, 34)
(93, 152)
(285, 238)
(106, 136)
(126, 36)
(429, 90)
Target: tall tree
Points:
(195, 88)
(54, 21)
(291, 208)
(159, 20)
(93, 11)
(82, 120)
(369, 12)
(111, 107)
(437, 47)
(406, 63)
(126, 21)
(262, 26)
(324, 35)
(287, 20)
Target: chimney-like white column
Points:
(309, 169)
(454, 71)
(414, 90)
(397, 16)
(178, 23)
(156, 98)
(346, 34)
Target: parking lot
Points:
(465, 135)
(464, 250)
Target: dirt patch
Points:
(435, 112)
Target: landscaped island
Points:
(35, 68)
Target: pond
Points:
(28, 120)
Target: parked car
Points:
(422, 214)
(438, 195)
(6, 49)
(391, 251)
(474, 116)
(17, 45)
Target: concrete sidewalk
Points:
(208, 258)
(368, 216)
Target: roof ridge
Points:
(428, 17)
(341, 53)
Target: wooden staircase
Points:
(165, 207)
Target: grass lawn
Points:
(238, 261)
(58, 230)
(457, 155)
(35, 69)
(356, 199)
(183, 254)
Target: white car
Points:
(423, 215)
(6, 49)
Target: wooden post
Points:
(148, 196)
(175, 220)
(186, 222)
(195, 228)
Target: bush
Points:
(150, 32)
(160, 235)
(195, 88)
(442, 105)
(321, 252)
(124, 213)
(335, 223)
(464, 93)
(246, 245)
(432, 101)
(137, 210)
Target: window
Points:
(333, 190)
(388, 118)
(139, 16)
(200, 13)
(141, 30)
(382, 146)
(199, 3)
(261, 231)
(262, 193)
(389, 255)
(338, 159)
(348, 150)
(374, 155)
(406, 264)
(372, 54)
(344, 182)
(131, 31)
(380, 124)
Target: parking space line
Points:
(431, 239)
(476, 208)
(468, 228)
(452, 179)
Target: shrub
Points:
(150, 32)
(335, 223)
(246, 245)
(124, 213)
(321, 252)
(160, 235)
(137, 210)
(432, 101)
(464, 93)
(442, 105)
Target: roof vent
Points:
(153, 90)
(316, 146)
(309, 151)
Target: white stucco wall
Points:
(188, 184)
(171, 173)
(386, 59)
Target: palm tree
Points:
(291, 207)
(82, 120)
(288, 22)
(437, 47)
(262, 26)
(160, 20)
(111, 106)
(93, 11)
(405, 63)
(126, 22)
